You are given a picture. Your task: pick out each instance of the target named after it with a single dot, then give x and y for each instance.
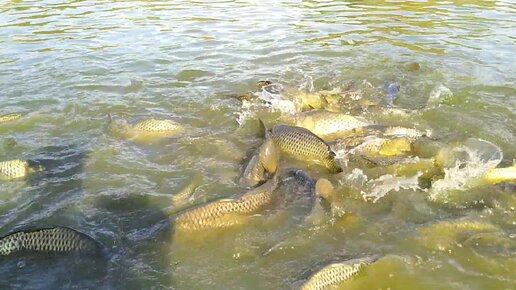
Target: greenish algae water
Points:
(67, 64)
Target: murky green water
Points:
(67, 64)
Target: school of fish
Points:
(339, 131)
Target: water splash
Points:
(437, 95)
(476, 157)
(380, 187)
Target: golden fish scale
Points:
(210, 214)
(334, 122)
(375, 146)
(301, 144)
(332, 275)
(9, 117)
(13, 168)
(409, 132)
(153, 125)
(51, 240)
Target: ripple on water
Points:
(67, 64)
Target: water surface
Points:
(67, 64)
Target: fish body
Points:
(325, 123)
(227, 212)
(445, 235)
(157, 126)
(148, 130)
(302, 144)
(498, 175)
(385, 147)
(14, 169)
(10, 117)
(336, 273)
(50, 240)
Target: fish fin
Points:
(226, 200)
(379, 161)
(263, 131)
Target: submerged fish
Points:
(336, 273)
(302, 144)
(10, 117)
(13, 169)
(445, 235)
(391, 91)
(181, 197)
(227, 212)
(145, 130)
(56, 240)
(157, 126)
(325, 123)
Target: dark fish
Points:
(50, 240)
(392, 90)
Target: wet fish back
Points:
(50, 240)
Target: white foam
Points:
(437, 95)
(380, 187)
(478, 157)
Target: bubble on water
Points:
(477, 157)
(380, 187)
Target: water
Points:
(67, 64)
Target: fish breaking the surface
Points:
(329, 124)
(302, 144)
(50, 240)
(265, 160)
(14, 169)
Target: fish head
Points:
(324, 188)
(253, 173)
(268, 155)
